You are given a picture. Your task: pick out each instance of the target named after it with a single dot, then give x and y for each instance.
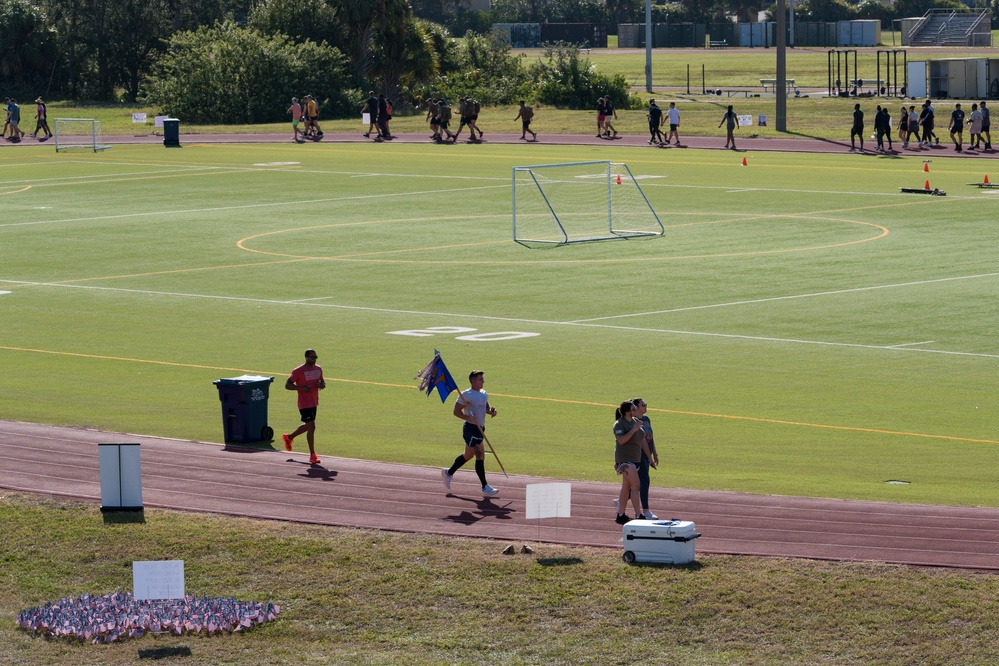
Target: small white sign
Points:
(365, 118)
(549, 500)
(158, 120)
(745, 121)
(138, 118)
(158, 580)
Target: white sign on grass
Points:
(158, 120)
(549, 500)
(745, 121)
(158, 580)
(138, 118)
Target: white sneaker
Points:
(447, 479)
(488, 490)
(648, 515)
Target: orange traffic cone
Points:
(744, 162)
(619, 179)
(926, 167)
(927, 185)
(986, 179)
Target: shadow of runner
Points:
(484, 506)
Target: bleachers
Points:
(946, 27)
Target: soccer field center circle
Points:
(530, 255)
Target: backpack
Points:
(388, 106)
(475, 106)
(445, 112)
(527, 113)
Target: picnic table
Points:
(772, 83)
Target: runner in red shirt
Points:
(307, 380)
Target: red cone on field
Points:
(986, 179)
(927, 185)
(744, 163)
(619, 179)
(926, 167)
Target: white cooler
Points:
(668, 541)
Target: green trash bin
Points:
(244, 408)
(171, 132)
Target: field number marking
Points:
(478, 337)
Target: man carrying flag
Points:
(471, 407)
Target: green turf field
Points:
(801, 329)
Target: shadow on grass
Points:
(124, 517)
(688, 566)
(559, 561)
(165, 652)
(262, 447)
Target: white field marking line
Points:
(786, 298)
(728, 188)
(276, 204)
(70, 179)
(515, 320)
(911, 344)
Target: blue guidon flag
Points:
(436, 376)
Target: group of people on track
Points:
(634, 449)
(919, 126)
(13, 121)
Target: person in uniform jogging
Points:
(471, 407)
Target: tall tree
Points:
(27, 43)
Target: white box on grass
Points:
(665, 541)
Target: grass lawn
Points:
(801, 329)
(364, 597)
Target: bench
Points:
(772, 83)
(865, 83)
(717, 44)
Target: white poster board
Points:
(121, 477)
(158, 580)
(158, 120)
(745, 121)
(549, 500)
(139, 118)
(365, 118)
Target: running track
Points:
(202, 477)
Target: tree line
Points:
(240, 61)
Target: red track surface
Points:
(799, 144)
(194, 476)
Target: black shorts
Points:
(958, 127)
(857, 131)
(308, 414)
(472, 435)
(985, 127)
(434, 122)
(527, 124)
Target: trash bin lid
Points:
(244, 379)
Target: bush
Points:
(234, 75)
(565, 80)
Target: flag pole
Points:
(489, 444)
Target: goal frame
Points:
(564, 235)
(96, 142)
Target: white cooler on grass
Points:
(667, 541)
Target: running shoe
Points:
(488, 491)
(314, 459)
(447, 479)
(287, 442)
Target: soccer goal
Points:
(79, 133)
(578, 202)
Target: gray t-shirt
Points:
(476, 402)
(630, 451)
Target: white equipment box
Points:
(667, 541)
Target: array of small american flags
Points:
(112, 617)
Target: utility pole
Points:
(781, 88)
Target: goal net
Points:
(79, 133)
(579, 202)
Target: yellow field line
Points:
(754, 419)
(23, 189)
